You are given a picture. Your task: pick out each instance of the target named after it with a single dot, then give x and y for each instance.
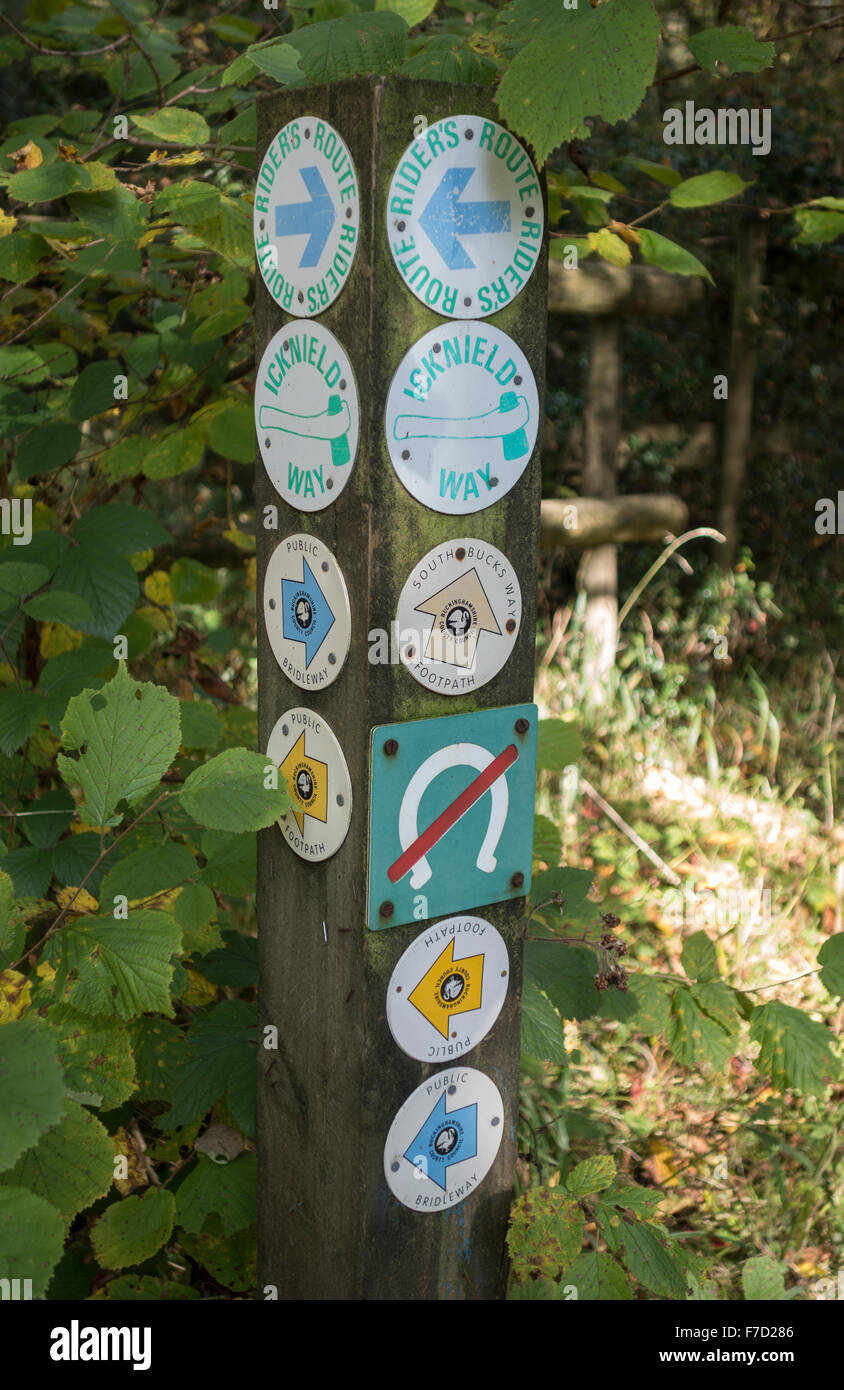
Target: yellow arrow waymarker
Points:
(307, 782)
(449, 987)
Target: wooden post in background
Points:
(329, 1227)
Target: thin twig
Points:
(617, 820)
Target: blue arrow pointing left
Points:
(446, 1137)
(315, 217)
(307, 616)
(446, 219)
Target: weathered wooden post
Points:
(365, 442)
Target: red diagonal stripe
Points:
(452, 814)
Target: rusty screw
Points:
(460, 553)
(516, 881)
(386, 910)
(522, 726)
(510, 624)
(391, 748)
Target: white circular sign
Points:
(306, 611)
(307, 217)
(310, 759)
(459, 615)
(465, 217)
(447, 990)
(307, 415)
(462, 417)
(444, 1140)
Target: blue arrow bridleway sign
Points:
(465, 217)
(444, 1140)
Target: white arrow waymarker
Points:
(444, 1140)
(465, 217)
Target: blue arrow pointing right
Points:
(446, 219)
(316, 217)
(306, 613)
(446, 1137)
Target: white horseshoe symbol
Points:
(453, 755)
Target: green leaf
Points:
(597, 1277)
(195, 910)
(171, 454)
(193, 582)
(229, 231)
(19, 577)
(559, 247)
(280, 61)
(547, 845)
(795, 1049)
(542, 1031)
(558, 745)
(412, 11)
(817, 227)
(31, 1086)
(175, 124)
(121, 967)
(705, 189)
(546, 1232)
(21, 711)
(649, 1261)
(189, 201)
(31, 1238)
(658, 250)
(450, 58)
(201, 725)
(96, 1056)
(229, 1259)
(761, 1280)
(72, 1165)
(104, 578)
(694, 1036)
(48, 817)
(153, 869)
(593, 62)
(224, 1188)
(30, 869)
(130, 732)
(573, 885)
(734, 46)
(126, 529)
(93, 391)
(699, 957)
(133, 1229)
(566, 974)
(232, 861)
(592, 1175)
(831, 958)
(20, 256)
(228, 792)
(47, 182)
(359, 43)
(47, 448)
(158, 1047)
(59, 606)
(232, 433)
(221, 1064)
(234, 965)
(68, 674)
(660, 173)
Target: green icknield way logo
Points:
(465, 217)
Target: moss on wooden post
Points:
(328, 1225)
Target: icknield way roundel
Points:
(307, 216)
(465, 217)
(462, 416)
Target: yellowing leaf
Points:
(27, 157)
(57, 638)
(77, 900)
(7, 223)
(199, 990)
(251, 574)
(610, 247)
(140, 560)
(126, 1148)
(628, 234)
(45, 971)
(15, 992)
(662, 1163)
(162, 157)
(239, 538)
(157, 588)
(163, 901)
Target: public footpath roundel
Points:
(307, 415)
(306, 611)
(447, 989)
(458, 616)
(462, 416)
(444, 1140)
(307, 216)
(306, 751)
(465, 217)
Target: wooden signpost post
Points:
(387, 210)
